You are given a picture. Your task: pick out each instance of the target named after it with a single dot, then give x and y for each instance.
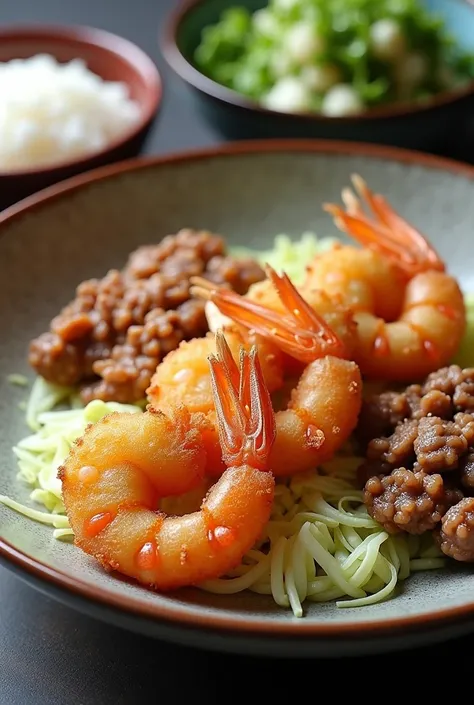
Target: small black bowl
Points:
(427, 126)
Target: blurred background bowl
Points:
(110, 57)
(427, 126)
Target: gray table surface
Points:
(50, 654)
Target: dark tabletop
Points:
(50, 654)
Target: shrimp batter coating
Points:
(119, 469)
(184, 373)
(410, 313)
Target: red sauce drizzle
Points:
(448, 311)
(97, 523)
(430, 349)
(381, 344)
(314, 437)
(222, 535)
(147, 556)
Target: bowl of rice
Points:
(73, 99)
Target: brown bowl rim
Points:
(192, 76)
(114, 45)
(176, 614)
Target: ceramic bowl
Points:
(429, 126)
(113, 59)
(249, 193)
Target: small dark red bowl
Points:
(110, 57)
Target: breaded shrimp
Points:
(184, 373)
(118, 470)
(410, 313)
(325, 405)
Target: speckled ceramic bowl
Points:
(249, 192)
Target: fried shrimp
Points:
(184, 373)
(118, 470)
(410, 313)
(326, 401)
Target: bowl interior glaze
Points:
(248, 193)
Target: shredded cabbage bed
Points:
(40, 454)
(290, 255)
(320, 544)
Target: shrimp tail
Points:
(303, 334)
(245, 416)
(385, 232)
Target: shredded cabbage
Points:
(290, 255)
(19, 380)
(40, 454)
(321, 545)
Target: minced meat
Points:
(448, 379)
(456, 536)
(418, 470)
(126, 374)
(443, 393)
(439, 445)
(407, 501)
(466, 468)
(382, 412)
(114, 333)
(395, 450)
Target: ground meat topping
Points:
(444, 392)
(447, 379)
(439, 445)
(456, 382)
(240, 278)
(418, 470)
(456, 537)
(117, 329)
(381, 413)
(125, 375)
(466, 424)
(168, 255)
(466, 467)
(396, 450)
(406, 501)
(434, 403)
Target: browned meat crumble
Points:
(456, 536)
(419, 459)
(112, 336)
(407, 501)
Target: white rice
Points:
(52, 112)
